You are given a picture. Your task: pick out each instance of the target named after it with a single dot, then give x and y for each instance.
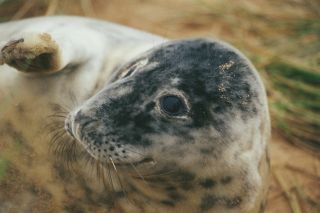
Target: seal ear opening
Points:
(129, 71)
(132, 68)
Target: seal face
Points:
(185, 86)
(195, 107)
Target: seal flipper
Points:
(46, 53)
(33, 53)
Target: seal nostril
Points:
(78, 117)
(67, 127)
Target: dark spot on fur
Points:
(207, 151)
(170, 188)
(186, 186)
(74, 208)
(175, 196)
(232, 203)
(262, 207)
(185, 178)
(218, 109)
(156, 179)
(208, 202)
(168, 203)
(268, 157)
(207, 183)
(20, 109)
(226, 180)
(150, 106)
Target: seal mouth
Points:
(143, 162)
(146, 160)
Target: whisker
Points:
(57, 116)
(59, 107)
(56, 146)
(119, 179)
(146, 176)
(136, 170)
(53, 125)
(98, 171)
(65, 149)
(73, 99)
(57, 135)
(110, 177)
(128, 149)
(88, 160)
(114, 166)
(70, 160)
(103, 176)
(53, 129)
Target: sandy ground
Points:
(295, 178)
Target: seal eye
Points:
(173, 105)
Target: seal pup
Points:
(177, 126)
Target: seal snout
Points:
(78, 125)
(73, 122)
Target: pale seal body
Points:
(182, 127)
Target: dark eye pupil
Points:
(172, 104)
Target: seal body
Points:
(172, 126)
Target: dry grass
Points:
(282, 38)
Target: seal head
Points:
(196, 106)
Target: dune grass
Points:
(3, 168)
(295, 102)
